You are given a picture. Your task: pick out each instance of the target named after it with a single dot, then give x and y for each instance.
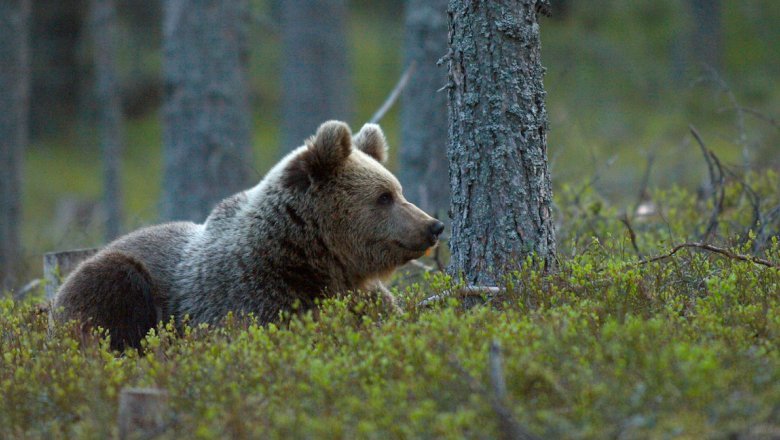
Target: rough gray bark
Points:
(499, 175)
(109, 110)
(315, 67)
(206, 115)
(423, 155)
(707, 36)
(14, 106)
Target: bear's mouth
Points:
(416, 250)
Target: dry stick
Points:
(463, 292)
(631, 234)
(509, 427)
(142, 412)
(718, 192)
(711, 248)
(402, 82)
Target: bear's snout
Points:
(435, 229)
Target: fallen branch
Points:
(402, 82)
(710, 248)
(463, 292)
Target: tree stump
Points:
(142, 412)
(57, 265)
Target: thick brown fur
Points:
(328, 219)
(114, 292)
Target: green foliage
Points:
(606, 347)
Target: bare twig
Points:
(509, 427)
(399, 87)
(755, 113)
(708, 247)
(716, 181)
(631, 234)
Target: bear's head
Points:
(357, 203)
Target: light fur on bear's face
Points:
(360, 203)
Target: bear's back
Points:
(159, 248)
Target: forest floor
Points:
(615, 344)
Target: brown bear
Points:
(328, 218)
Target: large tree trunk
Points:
(206, 111)
(423, 162)
(14, 106)
(315, 71)
(501, 195)
(109, 113)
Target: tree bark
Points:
(14, 113)
(423, 156)
(206, 115)
(109, 110)
(499, 175)
(315, 71)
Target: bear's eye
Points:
(386, 199)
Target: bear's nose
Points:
(436, 228)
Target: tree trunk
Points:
(14, 112)
(315, 71)
(56, 93)
(109, 110)
(206, 115)
(707, 36)
(500, 180)
(423, 162)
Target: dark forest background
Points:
(625, 81)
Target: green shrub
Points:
(608, 346)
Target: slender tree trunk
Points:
(423, 169)
(110, 125)
(501, 193)
(707, 36)
(14, 112)
(56, 94)
(315, 71)
(206, 115)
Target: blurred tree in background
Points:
(423, 154)
(110, 119)
(206, 113)
(58, 65)
(316, 79)
(14, 105)
(624, 82)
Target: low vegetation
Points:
(614, 344)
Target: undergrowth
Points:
(611, 345)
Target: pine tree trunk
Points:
(14, 112)
(206, 115)
(109, 110)
(423, 156)
(315, 70)
(500, 180)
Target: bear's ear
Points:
(330, 147)
(327, 150)
(371, 140)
